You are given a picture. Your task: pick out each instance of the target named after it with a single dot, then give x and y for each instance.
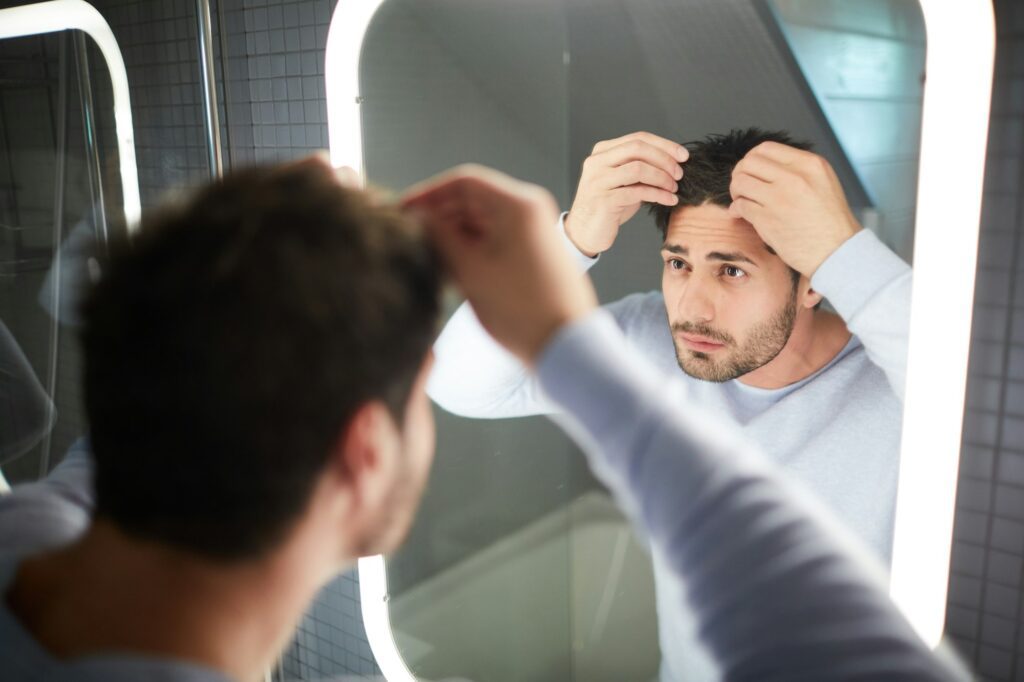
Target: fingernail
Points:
(679, 172)
(683, 153)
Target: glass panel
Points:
(59, 196)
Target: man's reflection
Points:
(756, 232)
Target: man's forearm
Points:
(779, 589)
(870, 287)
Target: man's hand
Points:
(795, 202)
(617, 177)
(494, 234)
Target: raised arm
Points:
(780, 590)
(870, 287)
(473, 375)
(795, 202)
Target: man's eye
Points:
(733, 272)
(676, 264)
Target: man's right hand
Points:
(618, 176)
(494, 234)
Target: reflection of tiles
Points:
(330, 639)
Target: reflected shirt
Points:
(836, 432)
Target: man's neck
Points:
(111, 593)
(817, 338)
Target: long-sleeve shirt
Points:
(836, 432)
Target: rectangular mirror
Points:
(519, 566)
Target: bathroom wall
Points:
(986, 608)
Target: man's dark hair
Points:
(708, 173)
(227, 345)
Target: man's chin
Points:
(700, 366)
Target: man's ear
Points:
(363, 444)
(808, 297)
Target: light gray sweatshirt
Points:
(837, 432)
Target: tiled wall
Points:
(986, 601)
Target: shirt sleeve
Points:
(52, 511)
(780, 590)
(474, 376)
(870, 287)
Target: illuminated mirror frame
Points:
(957, 97)
(66, 15)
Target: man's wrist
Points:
(837, 244)
(589, 253)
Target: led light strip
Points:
(956, 98)
(957, 94)
(344, 127)
(64, 15)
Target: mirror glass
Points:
(520, 566)
(60, 194)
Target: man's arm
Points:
(870, 287)
(780, 589)
(52, 511)
(795, 202)
(474, 376)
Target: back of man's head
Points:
(229, 342)
(708, 172)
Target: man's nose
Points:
(695, 303)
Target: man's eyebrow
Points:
(732, 256)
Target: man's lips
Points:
(700, 343)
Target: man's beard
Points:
(765, 342)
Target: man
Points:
(255, 369)
(255, 365)
(755, 232)
(781, 591)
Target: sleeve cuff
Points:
(581, 259)
(856, 272)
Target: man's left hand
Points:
(795, 202)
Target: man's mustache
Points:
(702, 329)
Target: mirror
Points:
(62, 192)
(846, 75)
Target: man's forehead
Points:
(710, 228)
